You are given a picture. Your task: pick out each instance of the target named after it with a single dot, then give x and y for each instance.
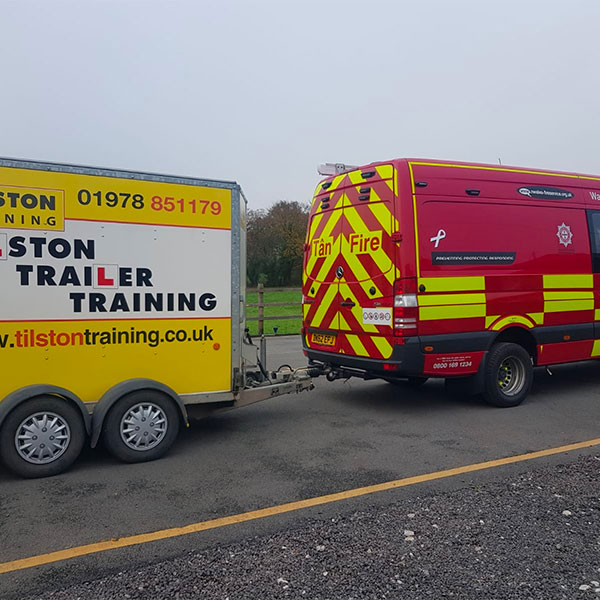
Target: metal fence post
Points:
(261, 309)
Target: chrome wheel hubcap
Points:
(511, 376)
(42, 438)
(143, 426)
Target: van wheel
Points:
(508, 375)
(42, 437)
(141, 426)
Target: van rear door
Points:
(368, 258)
(350, 264)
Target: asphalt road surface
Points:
(340, 436)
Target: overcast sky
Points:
(261, 92)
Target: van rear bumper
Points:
(408, 358)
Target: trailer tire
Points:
(52, 426)
(508, 375)
(141, 426)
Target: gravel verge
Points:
(535, 535)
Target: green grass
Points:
(284, 326)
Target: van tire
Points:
(63, 422)
(135, 410)
(508, 375)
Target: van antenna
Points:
(499, 161)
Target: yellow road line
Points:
(144, 538)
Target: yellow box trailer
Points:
(123, 299)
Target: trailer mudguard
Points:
(121, 389)
(33, 391)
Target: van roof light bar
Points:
(335, 168)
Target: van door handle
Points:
(347, 303)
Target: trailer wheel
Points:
(141, 426)
(42, 437)
(508, 375)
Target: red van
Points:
(419, 268)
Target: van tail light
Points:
(406, 310)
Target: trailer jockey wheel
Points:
(508, 375)
(141, 426)
(42, 437)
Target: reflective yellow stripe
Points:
(324, 306)
(415, 222)
(430, 313)
(444, 299)
(482, 168)
(355, 177)
(385, 171)
(596, 348)
(305, 309)
(380, 257)
(357, 345)
(568, 281)
(568, 295)
(328, 262)
(343, 324)
(554, 306)
(453, 284)
(537, 318)
(510, 320)
(382, 345)
(385, 217)
(597, 315)
(346, 292)
(490, 319)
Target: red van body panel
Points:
(415, 267)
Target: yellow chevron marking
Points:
(597, 315)
(382, 345)
(343, 324)
(554, 306)
(385, 171)
(537, 318)
(446, 299)
(384, 216)
(355, 177)
(305, 309)
(511, 320)
(324, 305)
(357, 345)
(568, 281)
(463, 311)
(346, 292)
(328, 262)
(568, 295)
(453, 284)
(382, 260)
(596, 348)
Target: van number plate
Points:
(323, 339)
